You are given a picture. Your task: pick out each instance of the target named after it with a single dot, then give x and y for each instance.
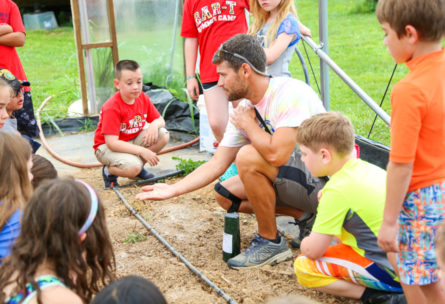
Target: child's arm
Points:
(191, 53)
(397, 182)
(5, 29)
(151, 133)
(305, 31)
(115, 144)
(14, 39)
(315, 245)
(277, 48)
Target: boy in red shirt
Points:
(130, 130)
(415, 195)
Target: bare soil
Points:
(193, 225)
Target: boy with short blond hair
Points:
(415, 193)
(130, 130)
(350, 210)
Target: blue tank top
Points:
(28, 294)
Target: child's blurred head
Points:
(5, 95)
(42, 169)
(261, 11)
(325, 139)
(408, 22)
(268, 6)
(128, 80)
(426, 16)
(130, 290)
(17, 96)
(15, 168)
(64, 224)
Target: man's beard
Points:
(238, 93)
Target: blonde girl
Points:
(15, 187)
(276, 26)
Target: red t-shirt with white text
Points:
(9, 59)
(213, 22)
(125, 120)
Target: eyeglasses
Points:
(21, 90)
(222, 50)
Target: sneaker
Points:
(261, 252)
(110, 180)
(144, 174)
(230, 172)
(305, 227)
(387, 298)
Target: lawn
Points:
(355, 44)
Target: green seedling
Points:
(134, 238)
(187, 165)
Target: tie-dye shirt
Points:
(286, 103)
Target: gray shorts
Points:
(295, 187)
(125, 160)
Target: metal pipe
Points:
(324, 44)
(304, 66)
(172, 50)
(362, 94)
(177, 254)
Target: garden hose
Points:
(94, 165)
(177, 254)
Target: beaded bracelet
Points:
(190, 77)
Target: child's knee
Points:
(307, 276)
(163, 137)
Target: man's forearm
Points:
(207, 172)
(397, 183)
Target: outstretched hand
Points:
(156, 192)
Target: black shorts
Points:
(295, 187)
(209, 85)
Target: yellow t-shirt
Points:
(351, 208)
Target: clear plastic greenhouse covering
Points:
(148, 31)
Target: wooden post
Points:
(78, 37)
(112, 27)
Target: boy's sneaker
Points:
(144, 174)
(387, 298)
(231, 171)
(305, 227)
(261, 252)
(110, 180)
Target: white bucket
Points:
(206, 137)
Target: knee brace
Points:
(236, 201)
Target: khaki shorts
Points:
(295, 187)
(125, 160)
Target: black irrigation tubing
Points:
(153, 179)
(177, 254)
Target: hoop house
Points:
(147, 31)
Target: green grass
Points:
(50, 62)
(355, 44)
